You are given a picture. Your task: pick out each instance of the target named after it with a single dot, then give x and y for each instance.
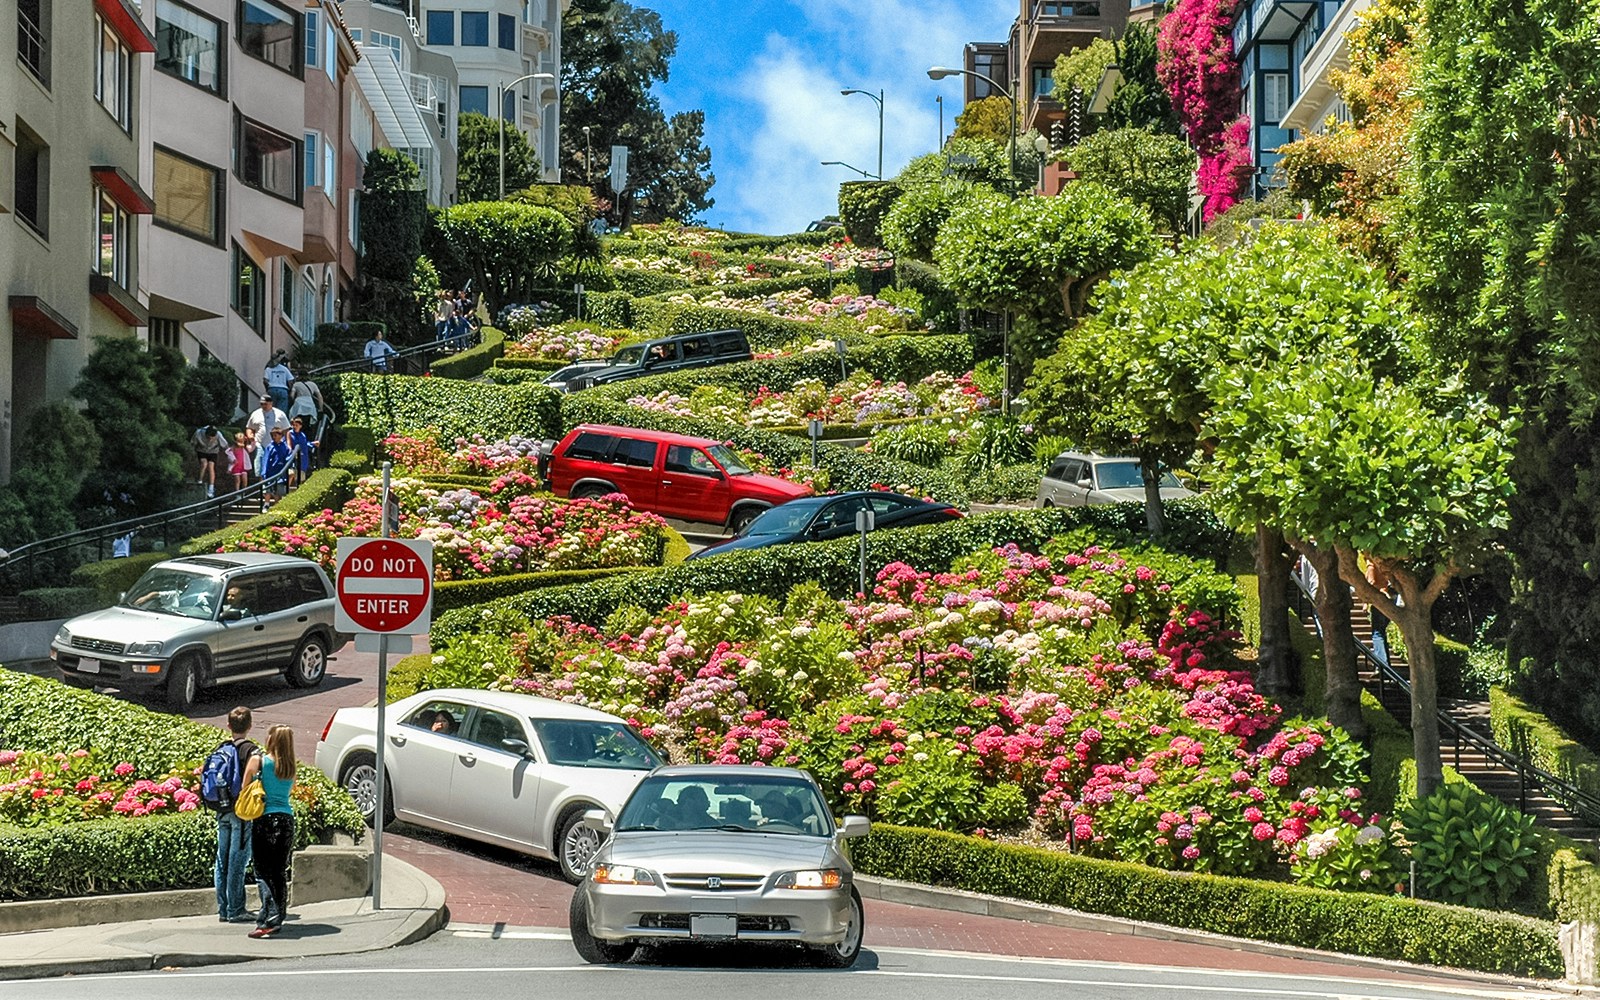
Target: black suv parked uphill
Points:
(668, 354)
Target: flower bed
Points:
(424, 454)
(508, 528)
(1074, 693)
(44, 789)
(864, 312)
(564, 342)
(858, 400)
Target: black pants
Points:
(272, 841)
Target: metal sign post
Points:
(577, 290)
(383, 700)
(815, 429)
(865, 521)
(841, 348)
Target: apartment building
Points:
(75, 74)
(1043, 30)
(499, 47)
(1315, 103)
(1274, 41)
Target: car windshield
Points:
(728, 460)
(582, 743)
(746, 804)
(785, 519)
(174, 592)
(1125, 476)
(629, 355)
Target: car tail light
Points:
(951, 511)
(324, 737)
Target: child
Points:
(298, 438)
(274, 468)
(239, 461)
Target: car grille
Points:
(680, 922)
(703, 882)
(98, 645)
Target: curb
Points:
(979, 904)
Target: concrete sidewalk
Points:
(413, 908)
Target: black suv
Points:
(668, 354)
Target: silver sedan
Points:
(722, 853)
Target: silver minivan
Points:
(196, 621)
(1077, 478)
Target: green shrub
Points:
(920, 443)
(862, 206)
(609, 309)
(355, 456)
(108, 578)
(1354, 923)
(536, 368)
(658, 317)
(409, 676)
(44, 603)
(108, 856)
(1450, 659)
(325, 489)
(1002, 483)
(1525, 731)
(473, 361)
(1469, 849)
(1004, 805)
(451, 594)
(390, 403)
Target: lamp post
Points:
(940, 72)
(879, 98)
(841, 163)
(940, 101)
(588, 158)
(500, 112)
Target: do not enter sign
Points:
(385, 586)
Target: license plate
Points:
(713, 925)
(88, 665)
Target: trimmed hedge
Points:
(608, 309)
(356, 455)
(46, 603)
(473, 361)
(449, 595)
(177, 851)
(1528, 732)
(325, 489)
(657, 316)
(109, 578)
(390, 403)
(537, 367)
(1349, 922)
(862, 206)
(832, 564)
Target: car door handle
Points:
(398, 741)
(666, 482)
(468, 759)
(303, 618)
(259, 628)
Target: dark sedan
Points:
(815, 519)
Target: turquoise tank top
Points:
(277, 789)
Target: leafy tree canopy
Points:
(1150, 168)
(511, 249)
(1140, 101)
(478, 159)
(1082, 68)
(988, 119)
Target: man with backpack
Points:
(220, 782)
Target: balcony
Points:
(426, 91)
(1330, 53)
(119, 300)
(320, 229)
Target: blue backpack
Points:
(219, 778)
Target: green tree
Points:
(613, 54)
(974, 161)
(53, 455)
(478, 159)
(987, 119)
(1414, 479)
(1153, 169)
(393, 214)
(911, 226)
(510, 249)
(1083, 68)
(129, 395)
(1140, 101)
(207, 394)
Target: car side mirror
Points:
(596, 819)
(518, 747)
(1086, 483)
(855, 826)
(231, 615)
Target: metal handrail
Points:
(1582, 804)
(366, 364)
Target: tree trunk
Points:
(1275, 669)
(1342, 694)
(1154, 515)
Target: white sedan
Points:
(496, 766)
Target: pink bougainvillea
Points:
(1197, 66)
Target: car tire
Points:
(590, 491)
(590, 948)
(844, 954)
(183, 683)
(310, 663)
(575, 846)
(742, 517)
(359, 777)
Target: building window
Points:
(112, 237)
(355, 35)
(1043, 81)
(313, 167)
(475, 99)
(508, 31)
(249, 298)
(297, 298)
(32, 194)
(189, 46)
(313, 38)
(33, 38)
(330, 62)
(1054, 9)
(165, 333)
(474, 28)
(990, 65)
(270, 33)
(441, 27)
(188, 196)
(266, 160)
(113, 76)
(330, 171)
(1274, 97)
(391, 42)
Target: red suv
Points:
(689, 478)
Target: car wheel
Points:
(589, 491)
(576, 845)
(310, 663)
(183, 684)
(742, 518)
(1047, 505)
(359, 777)
(590, 948)
(844, 954)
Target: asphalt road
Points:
(468, 963)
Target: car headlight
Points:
(148, 648)
(63, 636)
(823, 878)
(622, 875)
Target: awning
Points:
(123, 189)
(386, 90)
(32, 314)
(125, 21)
(119, 300)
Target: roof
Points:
(380, 79)
(729, 771)
(222, 562)
(647, 434)
(522, 704)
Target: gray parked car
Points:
(1077, 478)
(201, 620)
(721, 853)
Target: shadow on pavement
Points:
(724, 957)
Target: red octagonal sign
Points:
(385, 586)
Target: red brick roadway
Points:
(487, 885)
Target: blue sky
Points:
(768, 73)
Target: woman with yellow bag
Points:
(268, 777)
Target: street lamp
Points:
(588, 158)
(940, 72)
(500, 112)
(841, 163)
(879, 98)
